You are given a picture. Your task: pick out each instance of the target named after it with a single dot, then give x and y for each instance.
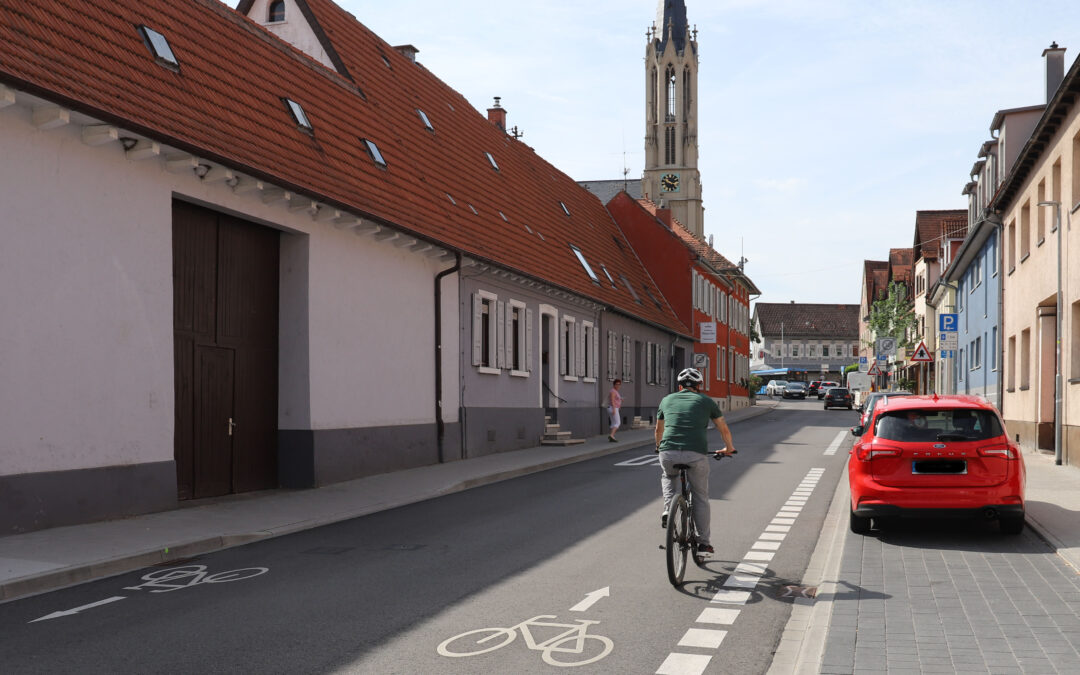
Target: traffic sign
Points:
(864, 364)
(948, 340)
(873, 369)
(886, 345)
(948, 323)
(922, 354)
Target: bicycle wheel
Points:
(469, 648)
(605, 647)
(676, 541)
(234, 575)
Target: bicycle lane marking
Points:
(738, 586)
(835, 445)
(166, 580)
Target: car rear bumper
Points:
(870, 498)
(986, 511)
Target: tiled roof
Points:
(605, 190)
(932, 226)
(876, 278)
(810, 321)
(224, 104)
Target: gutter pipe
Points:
(440, 426)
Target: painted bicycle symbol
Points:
(176, 578)
(574, 640)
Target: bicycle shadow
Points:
(769, 586)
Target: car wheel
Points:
(1014, 525)
(859, 524)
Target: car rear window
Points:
(836, 391)
(917, 425)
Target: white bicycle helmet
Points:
(690, 377)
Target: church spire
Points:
(671, 23)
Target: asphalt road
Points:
(381, 594)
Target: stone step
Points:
(563, 441)
(550, 428)
(557, 435)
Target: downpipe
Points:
(440, 426)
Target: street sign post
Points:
(948, 323)
(864, 364)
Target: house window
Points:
(994, 348)
(1025, 231)
(429, 127)
(960, 363)
(1011, 234)
(299, 116)
(585, 264)
(276, 13)
(486, 319)
(1011, 364)
(811, 351)
(1040, 214)
(719, 363)
(569, 354)
(612, 355)
(518, 339)
(376, 156)
(589, 347)
(976, 353)
(627, 368)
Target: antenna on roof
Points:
(515, 133)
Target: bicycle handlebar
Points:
(718, 454)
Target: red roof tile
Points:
(931, 229)
(805, 320)
(225, 105)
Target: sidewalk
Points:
(45, 560)
(1053, 507)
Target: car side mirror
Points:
(857, 430)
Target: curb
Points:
(102, 569)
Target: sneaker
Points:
(612, 439)
(663, 521)
(705, 550)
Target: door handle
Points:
(232, 425)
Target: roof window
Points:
(491, 159)
(528, 229)
(276, 12)
(584, 263)
(653, 298)
(565, 210)
(299, 116)
(473, 209)
(386, 60)
(630, 288)
(376, 156)
(503, 217)
(608, 275)
(159, 47)
(424, 119)
(451, 199)
(541, 235)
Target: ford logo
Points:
(939, 445)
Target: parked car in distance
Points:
(838, 397)
(795, 390)
(775, 387)
(867, 407)
(813, 388)
(825, 386)
(935, 456)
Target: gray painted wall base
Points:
(35, 501)
(491, 430)
(309, 458)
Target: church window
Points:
(669, 145)
(669, 79)
(652, 96)
(277, 11)
(686, 94)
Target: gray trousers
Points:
(698, 473)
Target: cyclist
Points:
(681, 425)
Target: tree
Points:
(893, 315)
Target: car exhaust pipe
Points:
(990, 514)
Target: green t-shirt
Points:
(686, 416)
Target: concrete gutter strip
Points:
(71, 575)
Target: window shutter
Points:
(664, 368)
(509, 349)
(595, 352)
(477, 328)
(611, 360)
(626, 374)
(500, 334)
(528, 340)
(579, 349)
(564, 327)
(649, 363)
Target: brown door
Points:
(225, 280)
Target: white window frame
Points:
(490, 300)
(590, 351)
(568, 348)
(523, 333)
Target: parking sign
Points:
(947, 323)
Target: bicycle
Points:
(681, 536)
(571, 641)
(178, 578)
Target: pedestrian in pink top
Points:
(614, 403)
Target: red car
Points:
(935, 456)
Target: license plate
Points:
(939, 466)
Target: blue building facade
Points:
(976, 275)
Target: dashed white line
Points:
(718, 615)
(727, 597)
(706, 638)
(684, 664)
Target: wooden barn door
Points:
(225, 314)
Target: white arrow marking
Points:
(69, 612)
(591, 599)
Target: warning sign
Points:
(922, 353)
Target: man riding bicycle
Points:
(682, 421)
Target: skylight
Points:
(473, 209)
(424, 119)
(584, 263)
(630, 288)
(376, 156)
(653, 298)
(608, 274)
(159, 47)
(565, 210)
(503, 217)
(385, 60)
(452, 201)
(299, 115)
(492, 160)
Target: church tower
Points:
(671, 173)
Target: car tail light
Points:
(868, 451)
(1003, 451)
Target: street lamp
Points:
(1057, 355)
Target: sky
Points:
(823, 126)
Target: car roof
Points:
(909, 402)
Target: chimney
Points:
(497, 114)
(408, 51)
(1055, 69)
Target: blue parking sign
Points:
(947, 323)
